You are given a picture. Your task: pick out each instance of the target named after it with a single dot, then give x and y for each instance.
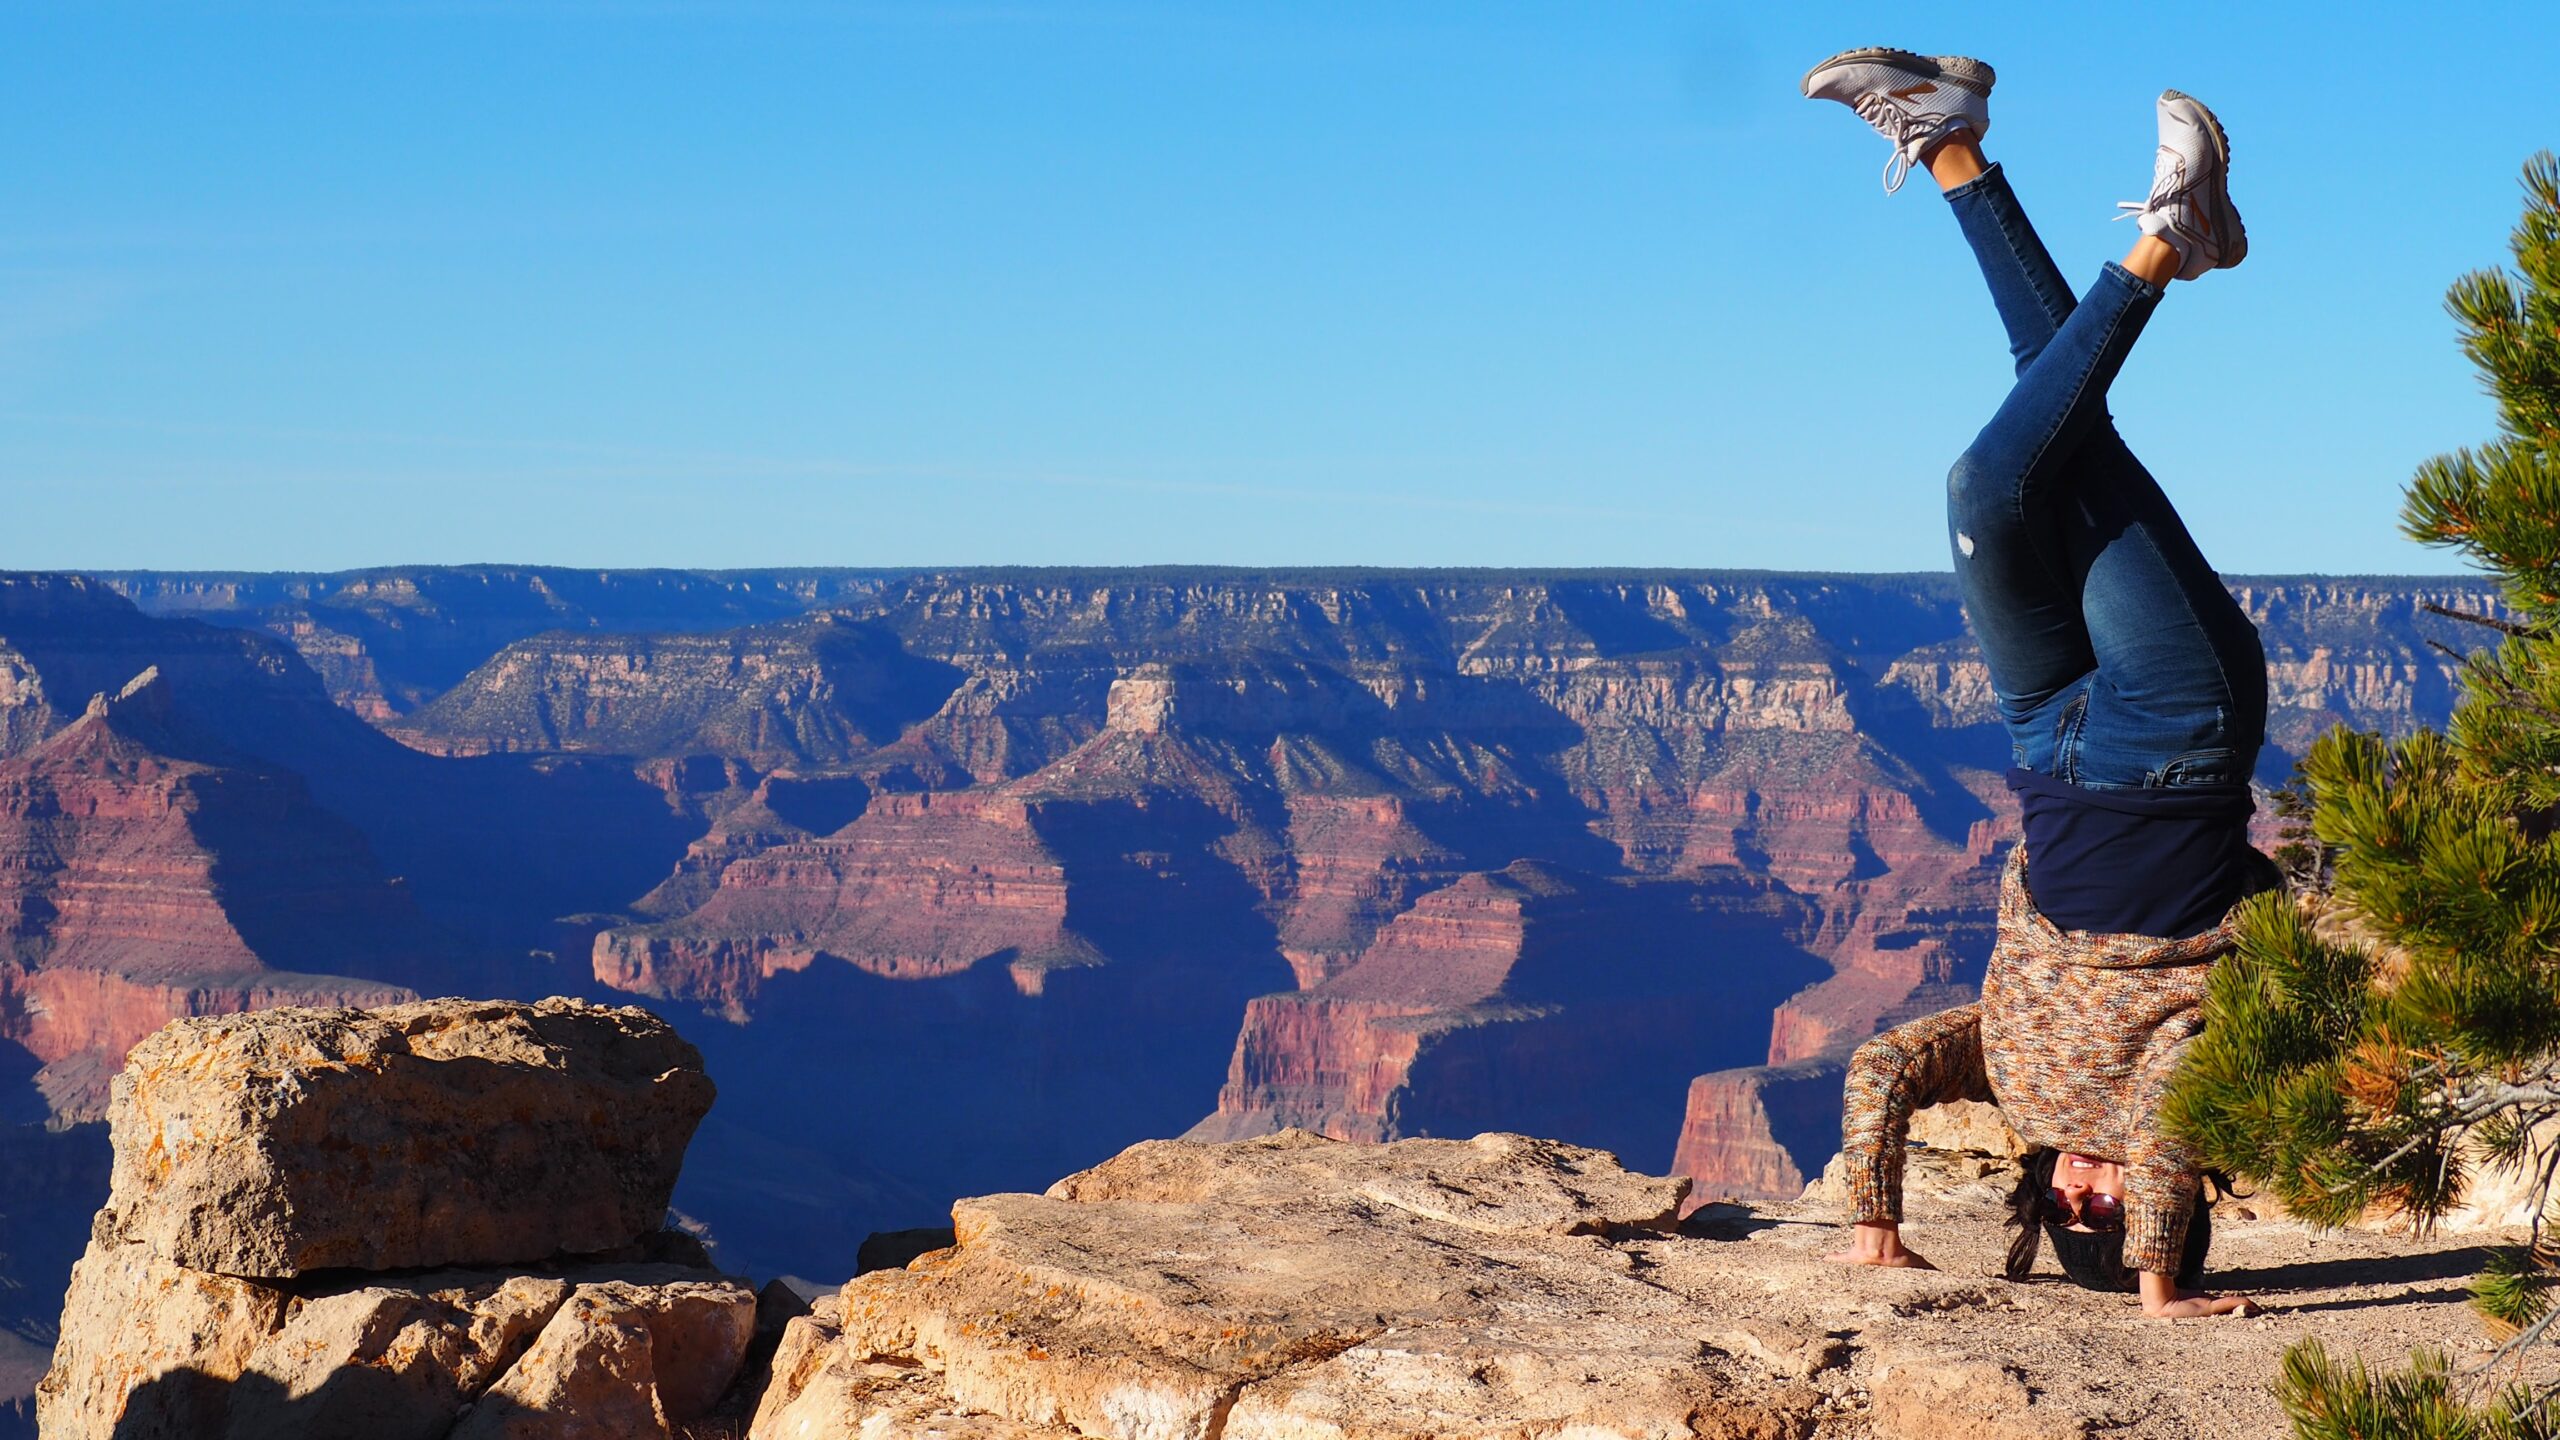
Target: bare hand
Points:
(2163, 1299)
(1878, 1242)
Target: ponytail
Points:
(2026, 1209)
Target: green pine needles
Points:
(2380, 1045)
(2331, 1401)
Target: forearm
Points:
(2159, 1205)
(1926, 1062)
(1874, 1164)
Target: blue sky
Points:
(322, 285)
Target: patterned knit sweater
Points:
(2075, 1038)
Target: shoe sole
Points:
(2237, 248)
(1962, 71)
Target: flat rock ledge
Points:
(1293, 1286)
(1288, 1285)
(427, 1221)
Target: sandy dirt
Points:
(2092, 1360)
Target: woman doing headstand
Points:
(2134, 693)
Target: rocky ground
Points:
(442, 1220)
(2092, 1362)
(1299, 1287)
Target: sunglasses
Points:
(2103, 1213)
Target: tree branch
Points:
(2516, 1344)
(2462, 1109)
(2503, 627)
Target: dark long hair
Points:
(2096, 1261)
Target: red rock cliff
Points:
(920, 886)
(136, 887)
(1527, 995)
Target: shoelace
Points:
(1899, 125)
(2168, 182)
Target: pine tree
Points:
(2373, 1047)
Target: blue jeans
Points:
(2119, 659)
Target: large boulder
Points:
(508, 1164)
(448, 1132)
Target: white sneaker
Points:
(1915, 101)
(2190, 204)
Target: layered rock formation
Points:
(1834, 736)
(508, 1165)
(389, 640)
(764, 812)
(1760, 1132)
(1062, 959)
(812, 692)
(491, 849)
(919, 886)
(1181, 791)
(1530, 998)
(136, 885)
(189, 826)
(1167, 781)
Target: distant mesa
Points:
(815, 692)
